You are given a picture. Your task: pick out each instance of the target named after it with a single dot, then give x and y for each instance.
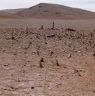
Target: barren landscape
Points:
(47, 57)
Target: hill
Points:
(55, 11)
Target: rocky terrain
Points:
(47, 50)
(47, 61)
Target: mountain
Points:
(48, 11)
(55, 11)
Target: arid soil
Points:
(47, 60)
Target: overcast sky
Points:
(12, 4)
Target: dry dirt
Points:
(49, 61)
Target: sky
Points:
(12, 4)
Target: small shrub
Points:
(53, 26)
(42, 27)
(41, 62)
(32, 87)
(57, 63)
(38, 53)
(51, 53)
(13, 38)
(51, 36)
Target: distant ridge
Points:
(6, 15)
(13, 11)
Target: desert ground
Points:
(46, 57)
(81, 24)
